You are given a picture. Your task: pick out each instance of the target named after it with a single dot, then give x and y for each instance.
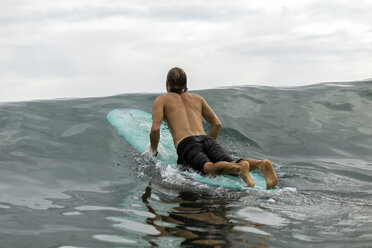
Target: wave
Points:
(319, 137)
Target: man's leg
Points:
(222, 167)
(267, 169)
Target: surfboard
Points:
(134, 126)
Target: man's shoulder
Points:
(159, 100)
(197, 97)
(194, 95)
(162, 97)
(168, 96)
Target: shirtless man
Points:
(183, 112)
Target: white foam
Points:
(171, 174)
(250, 229)
(113, 239)
(290, 189)
(70, 246)
(340, 85)
(148, 154)
(260, 216)
(71, 213)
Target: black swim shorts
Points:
(194, 151)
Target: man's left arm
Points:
(211, 118)
(157, 117)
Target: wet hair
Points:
(177, 80)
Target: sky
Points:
(84, 48)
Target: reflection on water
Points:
(192, 219)
(163, 217)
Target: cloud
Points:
(94, 47)
(159, 10)
(39, 61)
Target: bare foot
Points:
(244, 173)
(269, 174)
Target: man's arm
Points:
(157, 117)
(211, 118)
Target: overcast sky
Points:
(78, 48)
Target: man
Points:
(183, 112)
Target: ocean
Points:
(67, 179)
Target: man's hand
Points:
(148, 153)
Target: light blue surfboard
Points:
(134, 125)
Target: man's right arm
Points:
(157, 117)
(211, 118)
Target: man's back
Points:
(183, 113)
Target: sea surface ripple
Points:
(67, 179)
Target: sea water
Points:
(67, 179)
